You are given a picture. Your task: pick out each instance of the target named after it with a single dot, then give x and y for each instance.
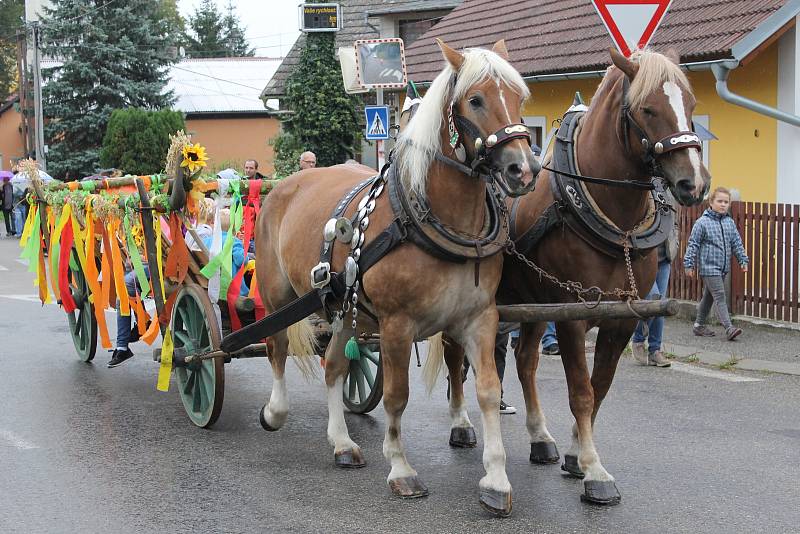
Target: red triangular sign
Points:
(631, 23)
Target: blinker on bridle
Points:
(483, 163)
(675, 141)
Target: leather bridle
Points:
(652, 151)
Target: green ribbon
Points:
(31, 250)
(224, 261)
(88, 186)
(136, 258)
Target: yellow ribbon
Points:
(118, 270)
(165, 369)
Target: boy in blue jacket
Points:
(714, 237)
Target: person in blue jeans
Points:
(126, 335)
(655, 325)
(549, 340)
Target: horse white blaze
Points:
(393, 451)
(675, 95)
(277, 408)
(337, 427)
(524, 153)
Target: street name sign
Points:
(377, 122)
(631, 23)
(320, 18)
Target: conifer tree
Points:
(11, 12)
(324, 118)
(113, 56)
(233, 35)
(207, 39)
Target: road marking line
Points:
(3, 268)
(27, 298)
(710, 373)
(16, 441)
(22, 262)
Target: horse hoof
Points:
(408, 487)
(571, 466)
(349, 459)
(495, 501)
(544, 452)
(263, 420)
(601, 492)
(463, 437)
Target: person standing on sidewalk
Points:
(714, 237)
(655, 325)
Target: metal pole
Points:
(41, 158)
(23, 91)
(380, 143)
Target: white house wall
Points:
(788, 152)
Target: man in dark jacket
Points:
(7, 203)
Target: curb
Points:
(687, 310)
(719, 359)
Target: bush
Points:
(287, 154)
(137, 140)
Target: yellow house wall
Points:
(744, 157)
(11, 143)
(229, 142)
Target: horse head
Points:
(472, 114)
(656, 120)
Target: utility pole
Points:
(37, 99)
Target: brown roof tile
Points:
(558, 36)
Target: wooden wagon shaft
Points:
(577, 311)
(150, 242)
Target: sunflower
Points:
(194, 157)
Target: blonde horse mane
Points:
(303, 348)
(654, 70)
(421, 140)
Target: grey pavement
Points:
(88, 449)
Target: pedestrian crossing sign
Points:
(377, 122)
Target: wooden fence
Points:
(771, 236)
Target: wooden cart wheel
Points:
(82, 322)
(363, 386)
(201, 385)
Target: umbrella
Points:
(20, 181)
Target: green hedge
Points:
(137, 141)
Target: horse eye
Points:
(475, 102)
(648, 111)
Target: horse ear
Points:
(455, 58)
(624, 64)
(500, 49)
(673, 56)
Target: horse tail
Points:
(434, 361)
(303, 347)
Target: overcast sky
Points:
(271, 25)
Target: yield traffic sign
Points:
(631, 23)
(377, 122)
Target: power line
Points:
(259, 89)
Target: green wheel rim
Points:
(82, 322)
(194, 327)
(363, 386)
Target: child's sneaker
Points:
(702, 331)
(732, 332)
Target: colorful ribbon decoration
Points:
(165, 369)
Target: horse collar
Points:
(575, 207)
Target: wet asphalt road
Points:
(84, 448)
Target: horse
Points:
(411, 293)
(640, 100)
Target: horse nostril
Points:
(514, 170)
(686, 185)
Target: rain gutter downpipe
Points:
(721, 71)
